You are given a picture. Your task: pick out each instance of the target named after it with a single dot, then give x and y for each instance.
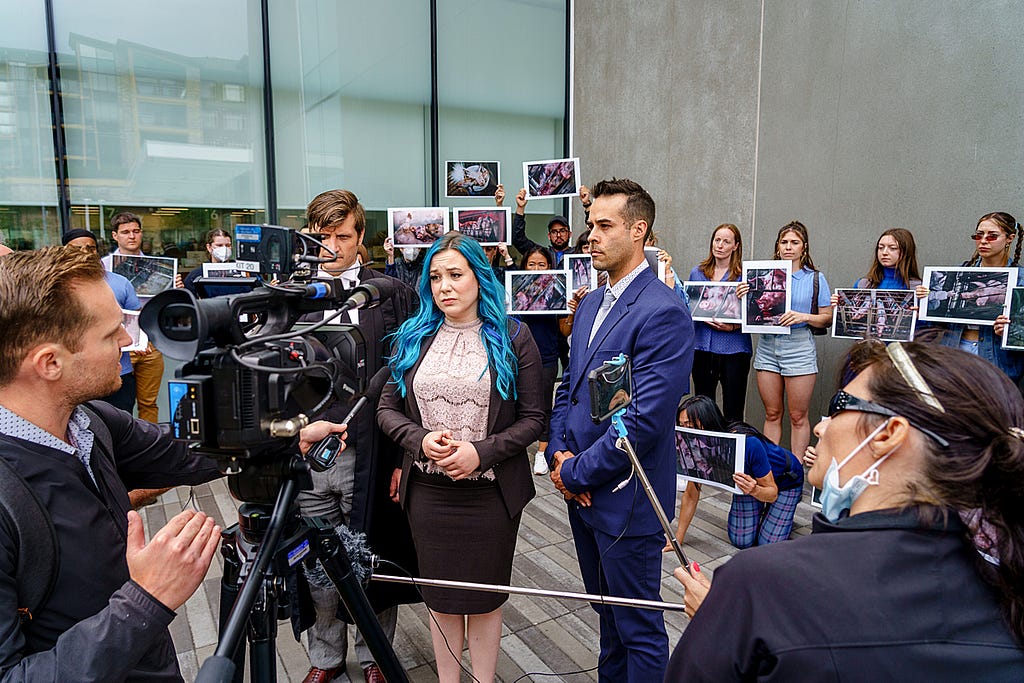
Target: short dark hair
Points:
(122, 218)
(216, 232)
(639, 205)
(332, 207)
(38, 302)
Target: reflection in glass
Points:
(160, 107)
(28, 187)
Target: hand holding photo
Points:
(552, 178)
(581, 270)
(885, 314)
(768, 297)
(972, 296)
(488, 226)
(537, 291)
(417, 227)
(471, 178)
(130, 321)
(1013, 334)
(714, 301)
(710, 457)
(656, 264)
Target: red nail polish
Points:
(696, 567)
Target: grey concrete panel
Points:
(871, 115)
(666, 93)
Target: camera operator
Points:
(357, 491)
(65, 462)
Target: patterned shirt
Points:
(79, 436)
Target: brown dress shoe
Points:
(373, 674)
(316, 675)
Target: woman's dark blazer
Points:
(512, 425)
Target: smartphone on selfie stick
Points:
(611, 387)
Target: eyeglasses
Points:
(844, 401)
(558, 231)
(986, 236)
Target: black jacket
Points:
(879, 596)
(109, 629)
(512, 424)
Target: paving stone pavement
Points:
(543, 639)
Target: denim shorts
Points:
(788, 355)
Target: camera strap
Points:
(23, 516)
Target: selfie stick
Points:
(623, 444)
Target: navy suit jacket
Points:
(651, 325)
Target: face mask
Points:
(409, 254)
(835, 498)
(221, 254)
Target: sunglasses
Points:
(844, 401)
(985, 236)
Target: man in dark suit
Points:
(617, 534)
(357, 491)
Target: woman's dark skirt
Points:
(462, 532)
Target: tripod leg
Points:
(263, 635)
(229, 593)
(338, 567)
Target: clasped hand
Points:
(458, 459)
(556, 477)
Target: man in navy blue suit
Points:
(617, 534)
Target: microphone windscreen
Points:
(359, 554)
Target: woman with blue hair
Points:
(464, 401)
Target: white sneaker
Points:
(540, 464)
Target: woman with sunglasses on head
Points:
(787, 364)
(772, 481)
(721, 351)
(915, 564)
(996, 234)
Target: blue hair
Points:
(407, 339)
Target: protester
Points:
(545, 331)
(914, 567)
(617, 534)
(465, 400)
(787, 364)
(722, 352)
(559, 234)
(772, 481)
(993, 237)
(218, 248)
(408, 267)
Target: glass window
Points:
(501, 90)
(351, 104)
(163, 114)
(28, 187)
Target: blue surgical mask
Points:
(836, 499)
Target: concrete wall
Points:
(852, 117)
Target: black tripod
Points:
(256, 562)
